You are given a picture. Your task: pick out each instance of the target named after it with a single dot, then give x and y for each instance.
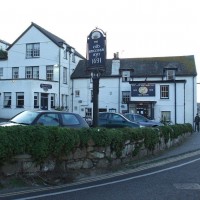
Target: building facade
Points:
(162, 88)
(36, 73)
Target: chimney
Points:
(115, 64)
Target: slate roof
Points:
(143, 67)
(58, 41)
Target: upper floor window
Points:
(49, 73)
(1, 71)
(32, 72)
(73, 57)
(164, 91)
(77, 93)
(125, 97)
(15, 72)
(64, 75)
(170, 74)
(33, 50)
(126, 76)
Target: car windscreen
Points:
(26, 117)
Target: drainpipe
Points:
(72, 94)
(175, 100)
(119, 96)
(59, 78)
(184, 102)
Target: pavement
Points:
(190, 144)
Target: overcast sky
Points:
(134, 28)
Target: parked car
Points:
(47, 118)
(88, 120)
(115, 120)
(137, 118)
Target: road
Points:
(172, 178)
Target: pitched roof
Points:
(4, 42)
(151, 67)
(57, 40)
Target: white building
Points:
(162, 88)
(36, 74)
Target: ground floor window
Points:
(20, 99)
(52, 100)
(36, 100)
(88, 112)
(166, 116)
(7, 100)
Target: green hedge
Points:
(42, 142)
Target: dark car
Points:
(137, 118)
(115, 120)
(47, 118)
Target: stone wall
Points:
(90, 158)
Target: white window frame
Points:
(1, 71)
(49, 73)
(164, 91)
(15, 72)
(65, 75)
(36, 99)
(33, 50)
(19, 99)
(7, 100)
(126, 97)
(77, 93)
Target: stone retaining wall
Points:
(86, 158)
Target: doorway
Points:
(44, 101)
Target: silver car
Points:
(137, 118)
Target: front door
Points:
(142, 109)
(44, 101)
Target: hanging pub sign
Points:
(142, 90)
(96, 50)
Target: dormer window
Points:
(170, 73)
(126, 76)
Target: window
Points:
(15, 72)
(20, 100)
(166, 116)
(125, 97)
(52, 100)
(126, 76)
(65, 54)
(170, 74)
(49, 73)
(164, 91)
(33, 50)
(64, 75)
(49, 119)
(88, 112)
(73, 57)
(7, 100)
(77, 93)
(32, 72)
(92, 96)
(36, 100)
(1, 71)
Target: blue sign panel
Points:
(96, 49)
(142, 90)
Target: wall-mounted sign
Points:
(46, 86)
(96, 49)
(142, 90)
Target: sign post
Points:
(96, 63)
